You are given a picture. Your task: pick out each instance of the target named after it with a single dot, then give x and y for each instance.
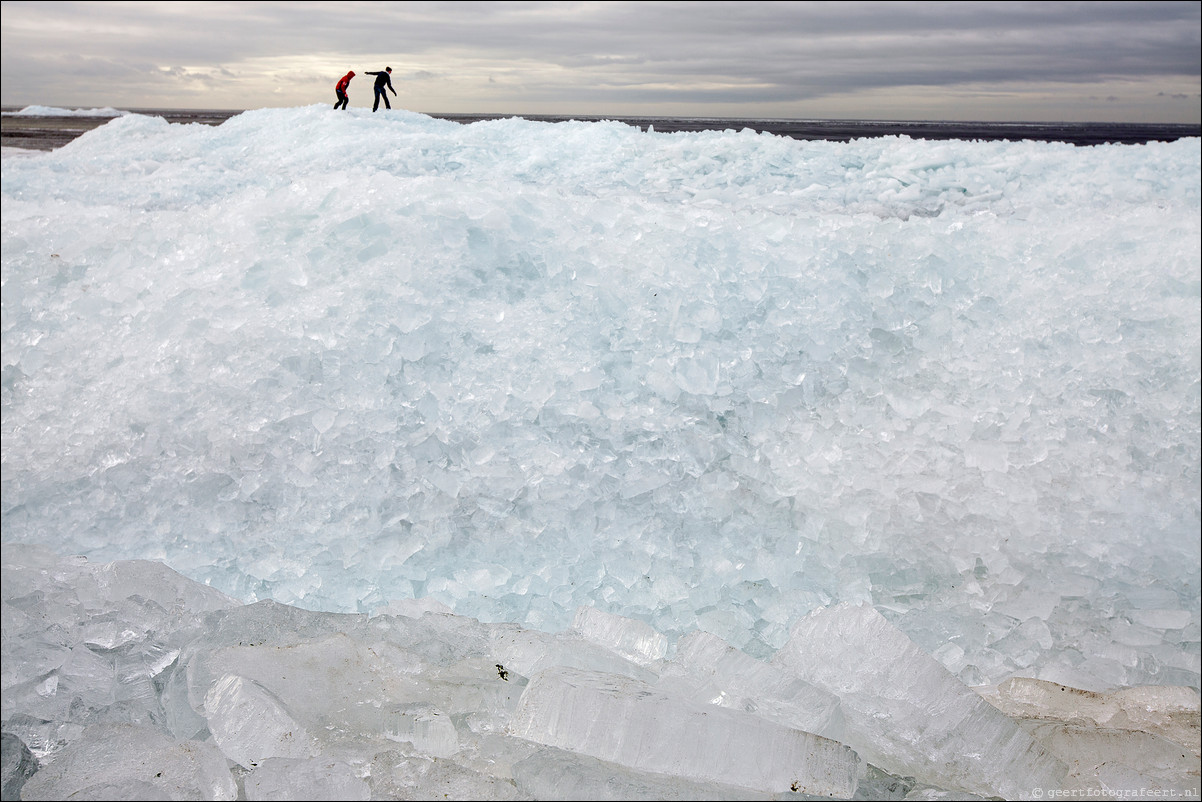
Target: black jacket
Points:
(383, 79)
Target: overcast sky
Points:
(1001, 61)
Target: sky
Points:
(982, 61)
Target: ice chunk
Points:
(250, 723)
(18, 765)
(413, 608)
(132, 761)
(313, 779)
(698, 376)
(398, 776)
(1102, 759)
(528, 651)
(426, 727)
(1162, 619)
(630, 723)
(116, 629)
(177, 598)
(707, 668)
(559, 774)
(478, 694)
(180, 718)
(1168, 711)
(632, 639)
(338, 680)
(905, 713)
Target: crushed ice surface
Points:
(583, 394)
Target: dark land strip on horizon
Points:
(50, 132)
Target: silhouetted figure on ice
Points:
(383, 86)
(340, 90)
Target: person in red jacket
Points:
(340, 90)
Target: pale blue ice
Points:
(703, 380)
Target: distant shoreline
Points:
(50, 132)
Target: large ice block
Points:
(554, 774)
(529, 651)
(250, 724)
(632, 639)
(624, 721)
(427, 728)
(312, 779)
(395, 775)
(905, 713)
(707, 668)
(18, 764)
(1167, 711)
(1102, 759)
(127, 761)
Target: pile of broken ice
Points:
(127, 680)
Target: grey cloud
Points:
(681, 52)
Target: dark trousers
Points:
(342, 99)
(381, 92)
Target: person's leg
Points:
(376, 105)
(387, 105)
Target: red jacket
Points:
(345, 81)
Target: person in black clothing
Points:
(383, 82)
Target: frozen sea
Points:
(857, 411)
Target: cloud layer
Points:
(1113, 61)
